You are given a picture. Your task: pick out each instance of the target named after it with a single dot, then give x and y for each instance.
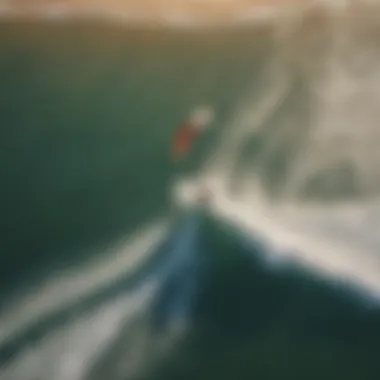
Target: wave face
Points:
(107, 270)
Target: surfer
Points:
(189, 131)
(185, 137)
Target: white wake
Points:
(59, 292)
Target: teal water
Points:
(87, 114)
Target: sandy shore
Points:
(181, 12)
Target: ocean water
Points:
(109, 269)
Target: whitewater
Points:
(334, 226)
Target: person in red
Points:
(184, 140)
(189, 131)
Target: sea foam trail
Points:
(118, 334)
(57, 292)
(169, 313)
(69, 352)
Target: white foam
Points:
(69, 352)
(71, 286)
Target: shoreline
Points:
(187, 14)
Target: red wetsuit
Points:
(183, 140)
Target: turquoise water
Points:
(87, 113)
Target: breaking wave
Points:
(300, 154)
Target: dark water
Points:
(87, 115)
